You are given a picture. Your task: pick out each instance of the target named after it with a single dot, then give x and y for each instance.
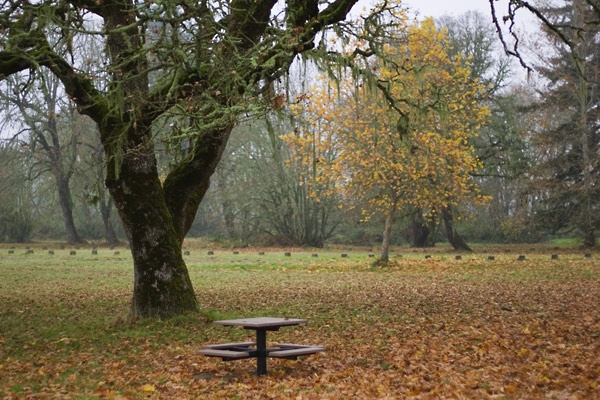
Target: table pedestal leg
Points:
(261, 351)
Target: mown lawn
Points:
(436, 328)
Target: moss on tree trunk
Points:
(162, 287)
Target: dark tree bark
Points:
(453, 237)
(162, 286)
(66, 205)
(589, 238)
(104, 200)
(106, 206)
(420, 231)
(62, 170)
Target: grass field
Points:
(424, 328)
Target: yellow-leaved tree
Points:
(402, 138)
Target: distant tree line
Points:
(538, 152)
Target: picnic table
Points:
(259, 349)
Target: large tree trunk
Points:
(162, 287)
(453, 237)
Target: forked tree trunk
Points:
(162, 287)
(157, 216)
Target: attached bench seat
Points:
(241, 350)
(292, 351)
(226, 355)
(230, 346)
(228, 351)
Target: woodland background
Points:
(538, 179)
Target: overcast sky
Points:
(437, 8)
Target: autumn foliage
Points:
(400, 140)
(409, 146)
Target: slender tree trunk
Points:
(387, 234)
(453, 237)
(586, 218)
(228, 217)
(66, 206)
(106, 210)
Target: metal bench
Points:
(226, 355)
(292, 351)
(229, 351)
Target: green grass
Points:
(64, 330)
